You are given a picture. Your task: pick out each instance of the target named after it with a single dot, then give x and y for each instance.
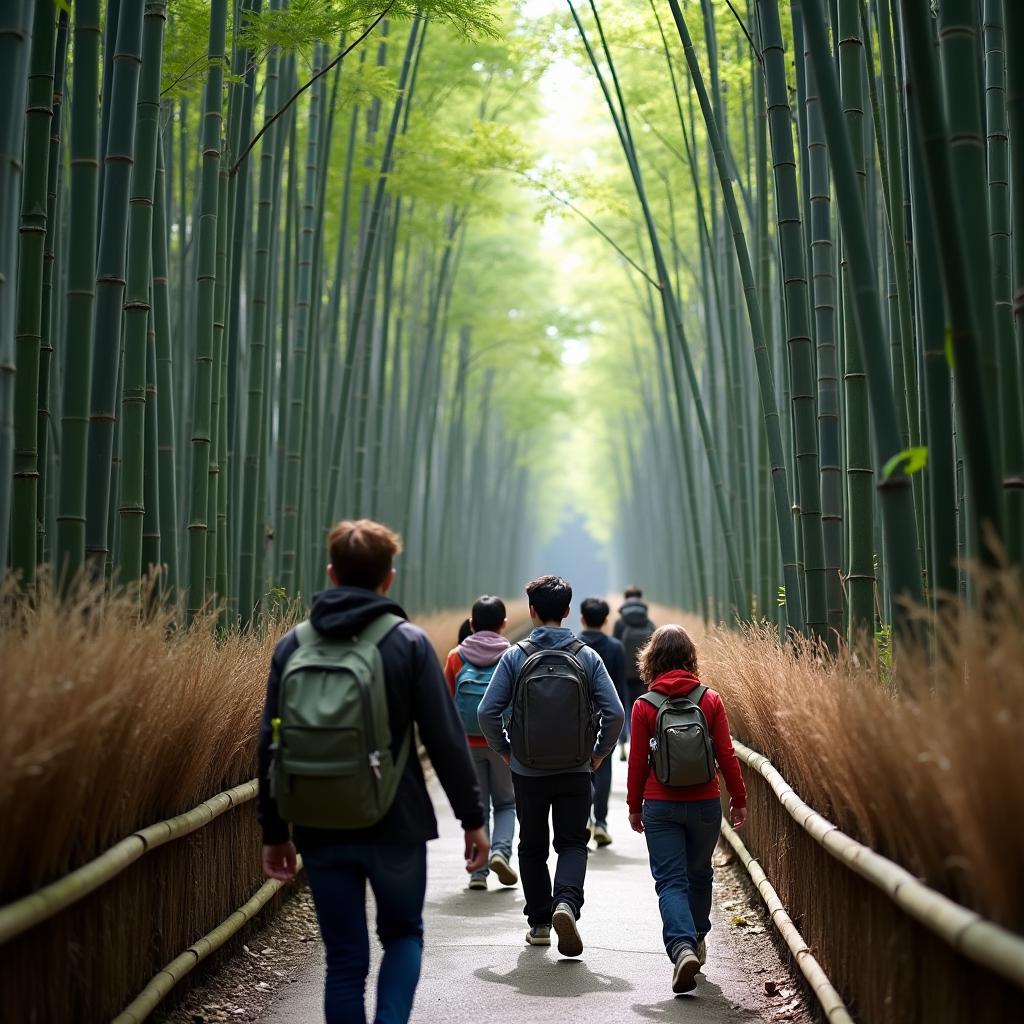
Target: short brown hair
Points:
(361, 552)
(669, 648)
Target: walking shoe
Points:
(539, 936)
(563, 920)
(685, 973)
(622, 751)
(500, 866)
(601, 836)
(478, 882)
(702, 952)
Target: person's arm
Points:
(442, 734)
(606, 704)
(494, 703)
(452, 667)
(640, 729)
(728, 762)
(618, 628)
(618, 667)
(278, 851)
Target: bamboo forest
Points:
(717, 303)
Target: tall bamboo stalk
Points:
(28, 325)
(202, 401)
(79, 324)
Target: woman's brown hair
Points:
(669, 649)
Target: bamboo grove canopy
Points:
(741, 279)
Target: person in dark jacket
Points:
(390, 855)
(594, 613)
(633, 629)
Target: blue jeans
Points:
(495, 779)
(398, 877)
(681, 837)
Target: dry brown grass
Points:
(111, 724)
(922, 767)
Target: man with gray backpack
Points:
(565, 720)
(468, 670)
(337, 762)
(633, 629)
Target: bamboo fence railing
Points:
(985, 943)
(35, 908)
(825, 992)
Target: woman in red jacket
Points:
(681, 823)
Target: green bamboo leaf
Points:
(913, 461)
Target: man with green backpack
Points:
(337, 763)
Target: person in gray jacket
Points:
(559, 781)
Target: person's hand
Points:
(636, 822)
(478, 846)
(279, 861)
(737, 816)
(595, 762)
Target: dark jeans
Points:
(681, 837)
(398, 877)
(567, 798)
(602, 790)
(631, 689)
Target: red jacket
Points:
(643, 784)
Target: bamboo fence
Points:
(976, 938)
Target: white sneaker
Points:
(539, 936)
(563, 920)
(601, 835)
(685, 973)
(702, 952)
(477, 883)
(500, 866)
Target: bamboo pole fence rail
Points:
(162, 983)
(31, 910)
(825, 992)
(971, 935)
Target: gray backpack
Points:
(332, 765)
(681, 750)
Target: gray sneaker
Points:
(539, 936)
(685, 973)
(563, 920)
(478, 882)
(500, 866)
(601, 836)
(702, 952)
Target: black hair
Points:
(550, 597)
(633, 591)
(488, 613)
(465, 630)
(594, 611)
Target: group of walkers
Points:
(519, 731)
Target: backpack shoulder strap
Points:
(305, 634)
(528, 647)
(696, 695)
(653, 698)
(575, 647)
(377, 630)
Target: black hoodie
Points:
(416, 693)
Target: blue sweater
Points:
(498, 698)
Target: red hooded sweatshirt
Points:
(643, 784)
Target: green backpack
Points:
(332, 764)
